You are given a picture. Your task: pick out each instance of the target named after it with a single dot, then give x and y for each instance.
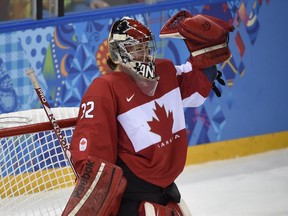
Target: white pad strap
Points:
(208, 49)
(149, 209)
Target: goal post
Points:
(35, 176)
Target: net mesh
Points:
(35, 176)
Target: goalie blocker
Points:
(98, 190)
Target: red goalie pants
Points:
(138, 190)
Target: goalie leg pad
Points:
(98, 190)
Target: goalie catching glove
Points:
(98, 190)
(206, 38)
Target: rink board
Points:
(236, 148)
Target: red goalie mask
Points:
(132, 45)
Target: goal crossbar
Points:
(37, 127)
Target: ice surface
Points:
(255, 185)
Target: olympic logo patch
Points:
(83, 144)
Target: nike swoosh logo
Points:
(130, 98)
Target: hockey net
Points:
(35, 176)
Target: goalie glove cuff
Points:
(213, 75)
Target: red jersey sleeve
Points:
(96, 129)
(193, 84)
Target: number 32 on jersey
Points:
(87, 109)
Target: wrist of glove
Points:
(213, 75)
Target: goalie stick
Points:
(64, 145)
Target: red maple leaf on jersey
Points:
(162, 126)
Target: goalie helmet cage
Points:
(35, 176)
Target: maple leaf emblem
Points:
(162, 126)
